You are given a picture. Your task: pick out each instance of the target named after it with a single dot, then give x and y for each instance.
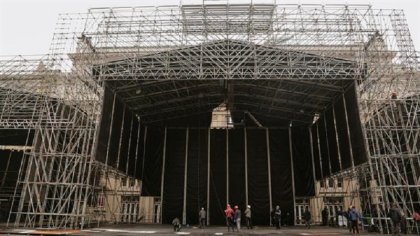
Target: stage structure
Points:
(122, 106)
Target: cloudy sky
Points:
(27, 26)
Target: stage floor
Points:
(167, 230)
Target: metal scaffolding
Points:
(283, 62)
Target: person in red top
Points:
(229, 217)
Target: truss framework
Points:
(156, 49)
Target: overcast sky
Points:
(27, 26)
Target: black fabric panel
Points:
(105, 125)
(258, 176)
(335, 164)
(132, 151)
(115, 135)
(153, 162)
(173, 189)
(140, 153)
(16, 137)
(324, 147)
(302, 162)
(237, 168)
(315, 148)
(342, 133)
(217, 176)
(197, 174)
(281, 176)
(356, 135)
(125, 138)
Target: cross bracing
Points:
(277, 62)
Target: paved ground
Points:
(167, 230)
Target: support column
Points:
(293, 173)
(267, 138)
(184, 209)
(163, 174)
(208, 177)
(129, 147)
(227, 166)
(313, 170)
(337, 139)
(319, 152)
(348, 132)
(246, 167)
(328, 143)
(121, 134)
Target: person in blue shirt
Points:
(354, 218)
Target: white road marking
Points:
(182, 233)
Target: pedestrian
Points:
(237, 218)
(307, 217)
(325, 214)
(248, 217)
(229, 217)
(348, 219)
(202, 216)
(354, 217)
(416, 218)
(395, 215)
(177, 224)
(277, 217)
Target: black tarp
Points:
(237, 168)
(258, 176)
(197, 174)
(173, 188)
(217, 176)
(153, 162)
(281, 175)
(302, 162)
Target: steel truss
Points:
(164, 50)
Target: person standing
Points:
(354, 217)
(229, 217)
(248, 217)
(237, 218)
(395, 215)
(416, 218)
(177, 224)
(307, 217)
(202, 217)
(325, 214)
(277, 217)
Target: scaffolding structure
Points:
(133, 50)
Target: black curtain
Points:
(217, 176)
(153, 162)
(237, 168)
(258, 176)
(197, 174)
(173, 188)
(281, 175)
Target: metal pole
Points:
(328, 143)
(293, 173)
(184, 210)
(267, 138)
(348, 133)
(129, 147)
(227, 166)
(121, 134)
(337, 139)
(313, 169)
(246, 167)
(208, 177)
(163, 175)
(319, 151)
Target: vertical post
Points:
(293, 172)
(163, 175)
(337, 139)
(227, 166)
(313, 167)
(319, 151)
(328, 144)
(208, 177)
(246, 167)
(129, 147)
(121, 134)
(267, 138)
(348, 132)
(184, 210)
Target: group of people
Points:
(233, 217)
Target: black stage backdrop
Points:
(197, 174)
